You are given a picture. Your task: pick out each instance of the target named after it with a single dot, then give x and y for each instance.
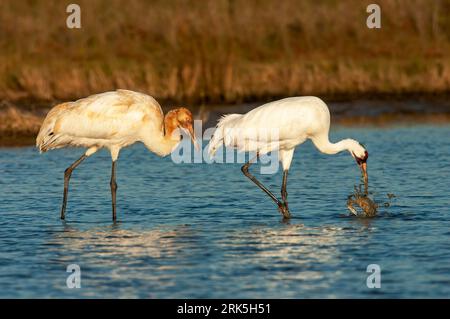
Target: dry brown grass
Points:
(386, 120)
(223, 50)
(14, 121)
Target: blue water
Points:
(204, 231)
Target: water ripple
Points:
(205, 231)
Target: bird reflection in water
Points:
(287, 252)
(114, 241)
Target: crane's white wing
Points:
(279, 124)
(113, 116)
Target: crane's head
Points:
(182, 118)
(361, 155)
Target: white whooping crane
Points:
(294, 120)
(113, 120)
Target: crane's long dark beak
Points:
(363, 167)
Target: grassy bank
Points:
(18, 126)
(223, 51)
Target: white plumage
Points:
(112, 120)
(282, 125)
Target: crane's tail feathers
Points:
(42, 139)
(47, 142)
(219, 134)
(214, 145)
(47, 138)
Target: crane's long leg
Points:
(284, 193)
(283, 209)
(67, 175)
(113, 189)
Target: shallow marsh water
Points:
(204, 231)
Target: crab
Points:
(360, 199)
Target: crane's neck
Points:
(324, 145)
(163, 143)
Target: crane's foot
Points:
(284, 210)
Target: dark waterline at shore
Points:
(404, 110)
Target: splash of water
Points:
(360, 204)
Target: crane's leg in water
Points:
(283, 209)
(67, 174)
(284, 193)
(113, 190)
